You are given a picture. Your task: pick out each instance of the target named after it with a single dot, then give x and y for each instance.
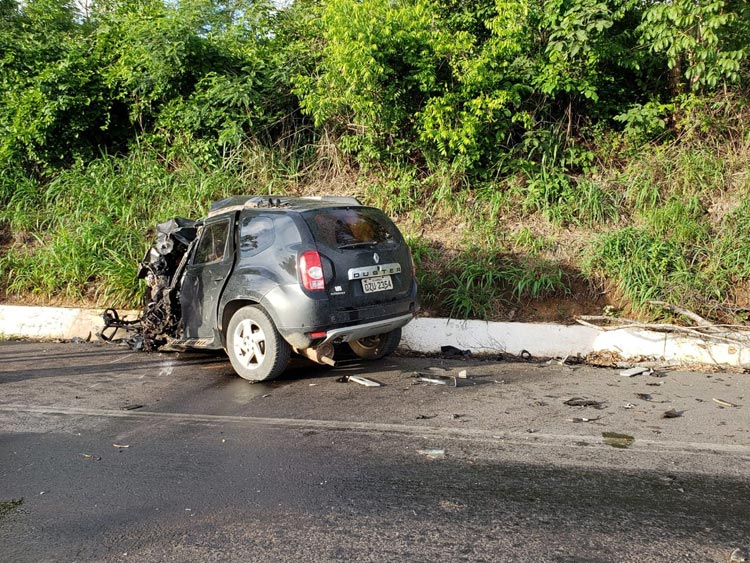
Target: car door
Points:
(205, 277)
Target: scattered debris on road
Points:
(644, 396)
(583, 402)
(453, 352)
(437, 380)
(629, 406)
(364, 381)
(672, 413)
(632, 372)
(723, 403)
(432, 453)
(424, 416)
(621, 441)
(462, 374)
(581, 419)
(741, 554)
(121, 446)
(131, 407)
(91, 457)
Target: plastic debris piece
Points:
(723, 403)
(432, 453)
(655, 384)
(425, 417)
(581, 419)
(364, 381)
(633, 371)
(644, 396)
(462, 374)
(583, 402)
(91, 457)
(120, 445)
(437, 380)
(629, 406)
(131, 407)
(672, 413)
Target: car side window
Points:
(213, 243)
(256, 234)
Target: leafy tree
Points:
(705, 42)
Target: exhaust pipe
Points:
(320, 355)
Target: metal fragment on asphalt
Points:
(432, 453)
(120, 445)
(364, 381)
(633, 371)
(723, 403)
(437, 380)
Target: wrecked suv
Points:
(263, 277)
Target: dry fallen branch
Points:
(685, 313)
(730, 337)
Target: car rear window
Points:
(342, 227)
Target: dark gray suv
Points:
(268, 276)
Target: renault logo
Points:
(376, 257)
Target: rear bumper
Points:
(349, 333)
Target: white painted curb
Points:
(50, 323)
(552, 340)
(428, 335)
(538, 339)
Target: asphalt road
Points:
(110, 455)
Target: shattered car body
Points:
(262, 277)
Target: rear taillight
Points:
(311, 271)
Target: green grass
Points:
(644, 222)
(92, 223)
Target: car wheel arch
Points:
(228, 312)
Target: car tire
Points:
(254, 346)
(378, 346)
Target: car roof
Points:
(240, 202)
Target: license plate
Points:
(380, 283)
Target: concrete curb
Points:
(428, 335)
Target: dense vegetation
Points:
(529, 149)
